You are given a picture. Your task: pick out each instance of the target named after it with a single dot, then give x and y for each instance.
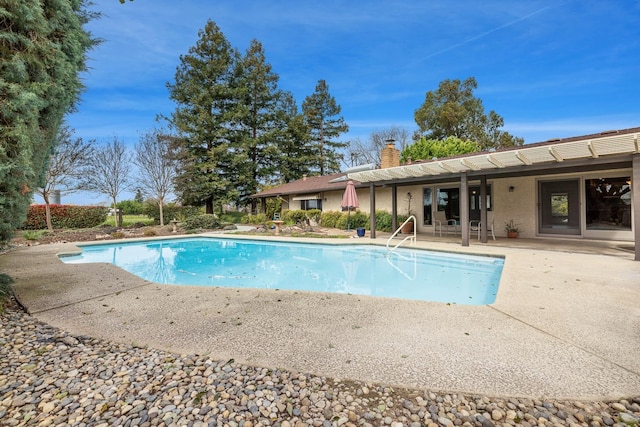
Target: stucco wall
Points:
(333, 199)
(519, 204)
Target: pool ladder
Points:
(411, 237)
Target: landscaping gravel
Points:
(51, 378)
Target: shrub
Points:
(206, 221)
(5, 289)
(65, 216)
(383, 221)
(301, 216)
(254, 219)
(330, 219)
(357, 220)
(131, 207)
(32, 234)
(170, 211)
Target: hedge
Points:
(205, 221)
(65, 216)
(331, 219)
(170, 212)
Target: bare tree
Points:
(365, 152)
(108, 172)
(69, 157)
(157, 166)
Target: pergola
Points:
(607, 150)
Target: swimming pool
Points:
(355, 269)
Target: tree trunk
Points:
(208, 206)
(160, 206)
(47, 211)
(116, 221)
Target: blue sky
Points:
(551, 69)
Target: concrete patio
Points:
(566, 322)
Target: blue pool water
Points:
(356, 269)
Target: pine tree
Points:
(43, 49)
(322, 116)
(206, 105)
(256, 124)
(295, 153)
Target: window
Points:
(608, 203)
(427, 205)
(449, 202)
(306, 205)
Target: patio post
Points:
(372, 209)
(394, 207)
(635, 189)
(483, 209)
(464, 208)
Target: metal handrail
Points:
(411, 237)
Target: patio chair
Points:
(476, 226)
(440, 223)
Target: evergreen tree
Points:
(453, 110)
(43, 49)
(426, 149)
(322, 116)
(295, 152)
(206, 105)
(257, 125)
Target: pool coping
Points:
(562, 326)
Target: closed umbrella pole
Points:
(349, 201)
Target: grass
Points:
(128, 220)
(33, 234)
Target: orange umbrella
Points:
(349, 200)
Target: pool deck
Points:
(565, 324)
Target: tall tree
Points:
(322, 115)
(108, 172)
(206, 105)
(156, 165)
(256, 121)
(42, 51)
(453, 110)
(295, 156)
(64, 169)
(426, 149)
(366, 152)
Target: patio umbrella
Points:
(349, 200)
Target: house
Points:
(578, 187)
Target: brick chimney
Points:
(390, 156)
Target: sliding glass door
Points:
(559, 207)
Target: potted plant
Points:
(512, 229)
(408, 227)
